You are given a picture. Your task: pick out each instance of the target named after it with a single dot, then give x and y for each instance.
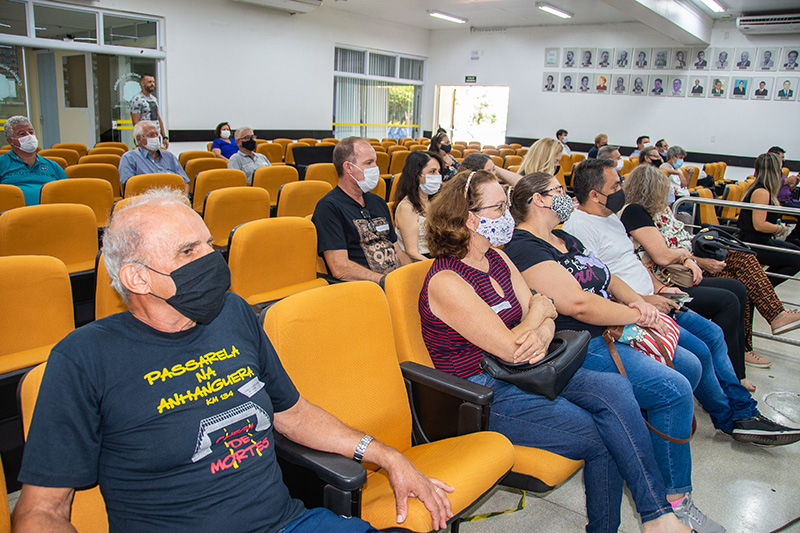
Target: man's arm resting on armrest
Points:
(343, 268)
(43, 509)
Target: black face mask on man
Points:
(614, 201)
(249, 145)
(200, 287)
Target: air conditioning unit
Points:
(291, 6)
(769, 23)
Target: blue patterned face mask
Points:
(497, 230)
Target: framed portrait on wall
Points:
(549, 81)
(602, 83)
(744, 58)
(786, 89)
(700, 58)
(680, 58)
(740, 88)
(639, 84)
(721, 60)
(551, 57)
(622, 57)
(677, 86)
(790, 61)
(697, 86)
(719, 87)
(661, 58)
(605, 56)
(657, 85)
(768, 58)
(568, 81)
(761, 88)
(569, 57)
(620, 84)
(587, 57)
(641, 58)
(584, 83)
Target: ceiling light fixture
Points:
(714, 6)
(448, 18)
(560, 13)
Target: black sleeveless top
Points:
(749, 232)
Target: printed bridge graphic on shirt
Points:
(228, 418)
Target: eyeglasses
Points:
(248, 138)
(502, 207)
(559, 188)
(365, 213)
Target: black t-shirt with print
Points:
(634, 217)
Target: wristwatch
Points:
(358, 456)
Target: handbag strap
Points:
(618, 362)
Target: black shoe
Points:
(762, 430)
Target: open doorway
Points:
(473, 112)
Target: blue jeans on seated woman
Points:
(720, 393)
(666, 397)
(596, 419)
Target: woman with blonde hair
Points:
(543, 156)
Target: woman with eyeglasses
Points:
(556, 264)
(474, 300)
(420, 180)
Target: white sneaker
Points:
(690, 515)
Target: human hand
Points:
(407, 481)
(664, 305)
(697, 272)
(670, 290)
(649, 313)
(544, 305)
(532, 346)
(712, 266)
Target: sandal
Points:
(753, 359)
(787, 321)
(747, 385)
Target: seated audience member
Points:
(440, 145)
(671, 244)
(355, 235)
(599, 141)
(786, 194)
(650, 156)
(611, 153)
(761, 227)
(148, 158)
(247, 159)
(223, 146)
(543, 156)
(732, 409)
(679, 183)
(420, 180)
(595, 418)
(485, 162)
(641, 142)
(561, 136)
(94, 407)
(662, 146)
(22, 166)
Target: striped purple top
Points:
(449, 351)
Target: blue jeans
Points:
(666, 396)
(321, 519)
(719, 392)
(595, 419)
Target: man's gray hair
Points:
(675, 151)
(123, 240)
(138, 128)
(13, 122)
(606, 151)
(240, 131)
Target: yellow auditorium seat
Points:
(93, 192)
(299, 198)
(498, 161)
(456, 153)
(5, 514)
(505, 152)
(322, 172)
(490, 151)
(211, 180)
(82, 149)
(331, 140)
(398, 161)
(113, 144)
(512, 160)
(380, 189)
(193, 154)
(469, 151)
(272, 178)
(395, 148)
(224, 209)
(107, 300)
(106, 150)
(692, 182)
(104, 171)
(109, 159)
(195, 166)
(289, 156)
(534, 469)
(11, 196)
(388, 140)
(383, 164)
(272, 151)
(522, 151)
(138, 184)
(67, 154)
(417, 148)
(349, 368)
(65, 231)
(309, 141)
(707, 213)
(60, 161)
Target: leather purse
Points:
(680, 275)
(550, 375)
(715, 243)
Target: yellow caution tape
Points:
(520, 506)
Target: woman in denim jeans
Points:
(474, 300)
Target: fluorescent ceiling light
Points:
(560, 13)
(448, 18)
(714, 6)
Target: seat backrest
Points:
(456, 154)
(469, 151)
(193, 154)
(331, 140)
(11, 196)
(707, 213)
(35, 302)
(402, 291)
(309, 141)
(299, 198)
(107, 150)
(505, 152)
(224, 209)
(512, 160)
(109, 159)
(65, 231)
(78, 147)
(723, 167)
(388, 140)
(522, 151)
(211, 180)
(107, 300)
(490, 151)
(323, 172)
(138, 184)
(112, 143)
(692, 181)
(195, 166)
(398, 161)
(288, 157)
(5, 514)
(60, 161)
(395, 148)
(417, 148)
(104, 171)
(577, 158)
(380, 189)
(498, 161)
(383, 162)
(94, 192)
(627, 166)
(69, 155)
(348, 367)
(272, 151)
(272, 178)
(283, 142)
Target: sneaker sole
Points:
(766, 439)
(758, 365)
(791, 326)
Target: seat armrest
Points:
(340, 472)
(442, 381)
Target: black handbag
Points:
(550, 375)
(715, 243)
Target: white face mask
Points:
(225, 134)
(152, 144)
(619, 166)
(497, 230)
(28, 144)
(565, 139)
(370, 181)
(433, 182)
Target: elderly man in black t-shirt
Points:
(355, 234)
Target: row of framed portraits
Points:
(762, 59)
(783, 89)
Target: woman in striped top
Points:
(475, 300)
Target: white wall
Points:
(516, 58)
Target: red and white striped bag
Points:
(649, 341)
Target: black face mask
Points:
(615, 200)
(200, 287)
(249, 145)
(657, 163)
(555, 170)
(446, 148)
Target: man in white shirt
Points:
(561, 135)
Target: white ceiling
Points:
(509, 13)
